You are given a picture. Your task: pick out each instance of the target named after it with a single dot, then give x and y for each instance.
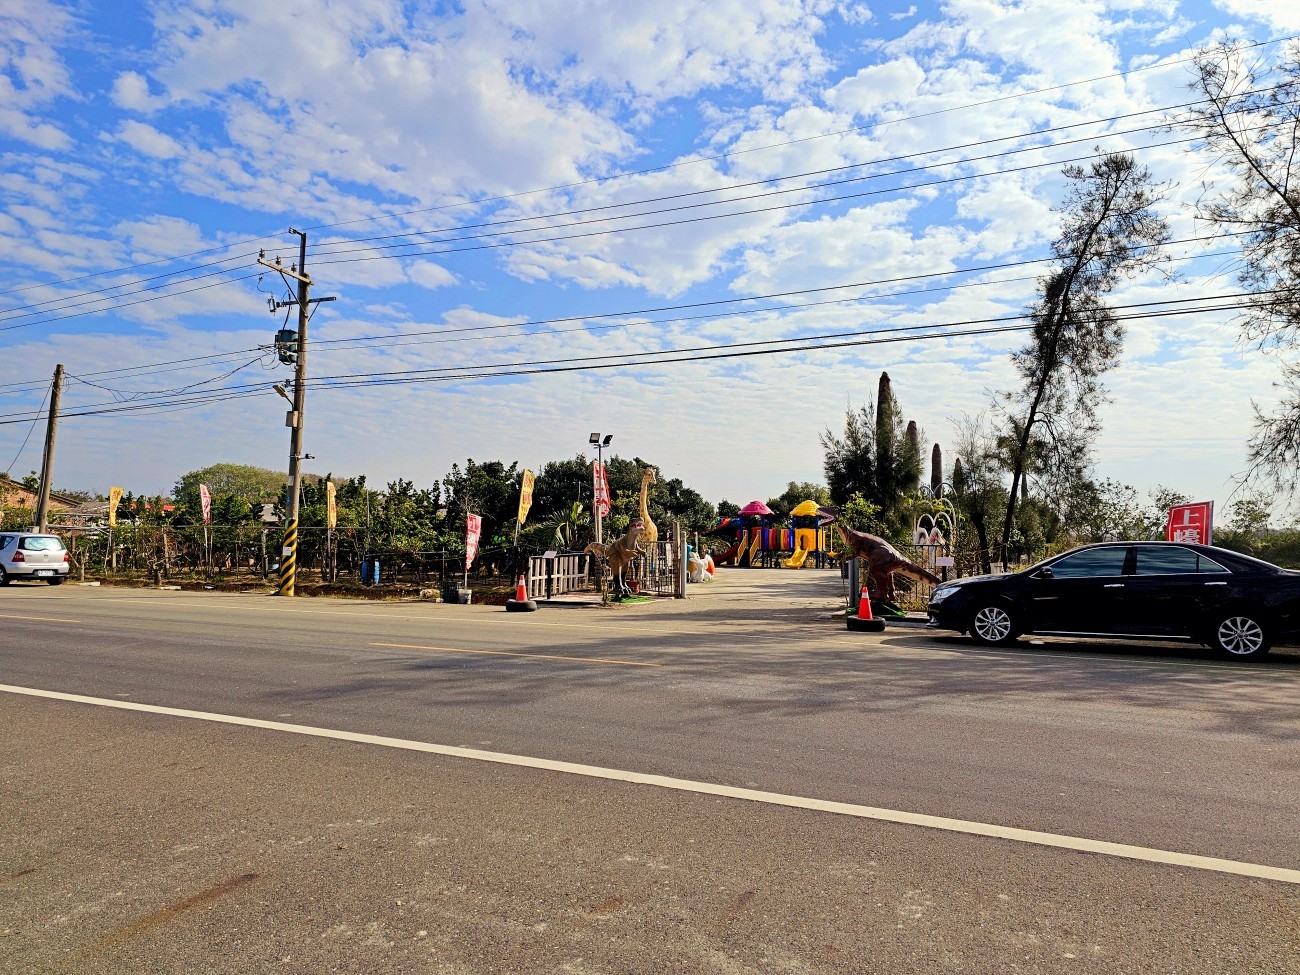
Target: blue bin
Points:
(370, 572)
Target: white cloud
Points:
(131, 91)
(148, 140)
(32, 75)
(1277, 14)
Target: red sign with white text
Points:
(1191, 523)
(601, 487)
(473, 525)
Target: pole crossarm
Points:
(300, 278)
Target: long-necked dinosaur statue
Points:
(619, 554)
(651, 534)
(883, 560)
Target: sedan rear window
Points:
(1173, 561)
(41, 543)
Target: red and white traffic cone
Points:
(864, 622)
(521, 603)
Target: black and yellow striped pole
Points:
(289, 552)
(289, 558)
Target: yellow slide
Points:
(753, 549)
(796, 560)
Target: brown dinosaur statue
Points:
(651, 533)
(883, 560)
(619, 554)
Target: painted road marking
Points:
(508, 653)
(1059, 841)
(609, 626)
(36, 619)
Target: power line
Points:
(789, 142)
(332, 247)
(656, 169)
(666, 356)
(387, 339)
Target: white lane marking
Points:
(611, 625)
(1060, 841)
(515, 653)
(36, 619)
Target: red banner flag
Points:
(1191, 523)
(473, 525)
(600, 487)
(205, 497)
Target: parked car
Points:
(27, 555)
(1232, 603)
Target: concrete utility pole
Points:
(47, 463)
(289, 552)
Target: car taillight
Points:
(65, 556)
(19, 557)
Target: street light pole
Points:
(600, 445)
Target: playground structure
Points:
(761, 543)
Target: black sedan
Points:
(1150, 590)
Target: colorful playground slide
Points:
(797, 559)
(753, 549)
(730, 556)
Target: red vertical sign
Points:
(473, 525)
(600, 487)
(206, 498)
(1191, 523)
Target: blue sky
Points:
(504, 182)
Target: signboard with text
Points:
(1191, 523)
(473, 525)
(600, 486)
(114, 499)
(525, 496)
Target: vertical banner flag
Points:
(473, 525)
(600, 487)
(1191, 523)
(205, 498)
(525, 496)
(331, 506)
(114, 499)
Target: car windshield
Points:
(41, 543)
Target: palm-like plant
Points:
(568, 524)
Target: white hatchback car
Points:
(25, 555)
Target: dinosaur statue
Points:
(882, 561)
(619, 554)
(651, 533)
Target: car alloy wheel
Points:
(1240, 636)
(992, 624)
(4, 577)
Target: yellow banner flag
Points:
(525, 496)
(331, 506)
(114, 499)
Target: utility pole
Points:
(47, 463)
(289, 552)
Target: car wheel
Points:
(56, 581)
(993, 625)
(4, 578)
(1239, 636)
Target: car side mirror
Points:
(1045, 572)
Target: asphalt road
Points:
(149, 841)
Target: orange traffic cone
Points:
(864, 622)
(521, 603)
(864, 605)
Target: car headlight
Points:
(939, 595)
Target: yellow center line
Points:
(508, 653)
(37, 619)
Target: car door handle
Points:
(1113, 585)
(1216, 583)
